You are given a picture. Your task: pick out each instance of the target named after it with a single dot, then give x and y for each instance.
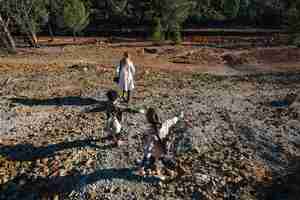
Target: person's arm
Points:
(118, 69)
(132, 69)
(166, 127)
(168, 124)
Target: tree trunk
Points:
(6, 37)
(74, 36)
(50, 32)
(50, 24)
(32, 39)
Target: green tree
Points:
(157, 33)
(28, 15)
(76, 16)
(231, 8)
(176, 35)
(6, 38)
(172, 13)
(55, 9)
(206, 10)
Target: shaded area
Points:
(286, 102)
(99, 108)
(28, 152)
(58, 101)
(23, 187)
(284, 186)
(263, 146)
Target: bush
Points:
(176, 35)
(296, 40)
(294, 23)
(76, 16)
(157, 33)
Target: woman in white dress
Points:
(126, 71)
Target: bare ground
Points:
(240, 139)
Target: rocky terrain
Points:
(240, 138)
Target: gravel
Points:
(231, 140)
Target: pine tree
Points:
(231, 8)
(76, 16)
(176, 35)
(157, 33)
(172, 13)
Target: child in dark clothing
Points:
(114, 117)
(154, 142)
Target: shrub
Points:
(157, 33)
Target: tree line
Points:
(163, 18)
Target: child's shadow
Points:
(49, 187)
(58, 101)
(28, 152)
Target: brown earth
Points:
(105, 54)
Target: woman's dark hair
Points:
(153, 118)
(112, 95)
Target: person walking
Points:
(113, 118)
(155, 146)
(125, 73)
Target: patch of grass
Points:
(86, 83)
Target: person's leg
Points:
(128, 96)
(123, 95)
(169, 162)
(145, 165)
(156, 168)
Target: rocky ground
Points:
(240, 138)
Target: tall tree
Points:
(206, 10)
(231, 8)
(171, 13)
(76, 16)
(28, 15)
(54, 8)
(5, 36)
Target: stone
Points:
(151, 50)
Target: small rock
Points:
(151, 50)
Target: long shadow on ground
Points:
(48, 187)
(58, 101)
(28, 152)
(283, 187)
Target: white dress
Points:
(126, 81)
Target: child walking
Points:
(114, 117)
(154, 142)
(125, 73)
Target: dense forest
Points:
(160, 19)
